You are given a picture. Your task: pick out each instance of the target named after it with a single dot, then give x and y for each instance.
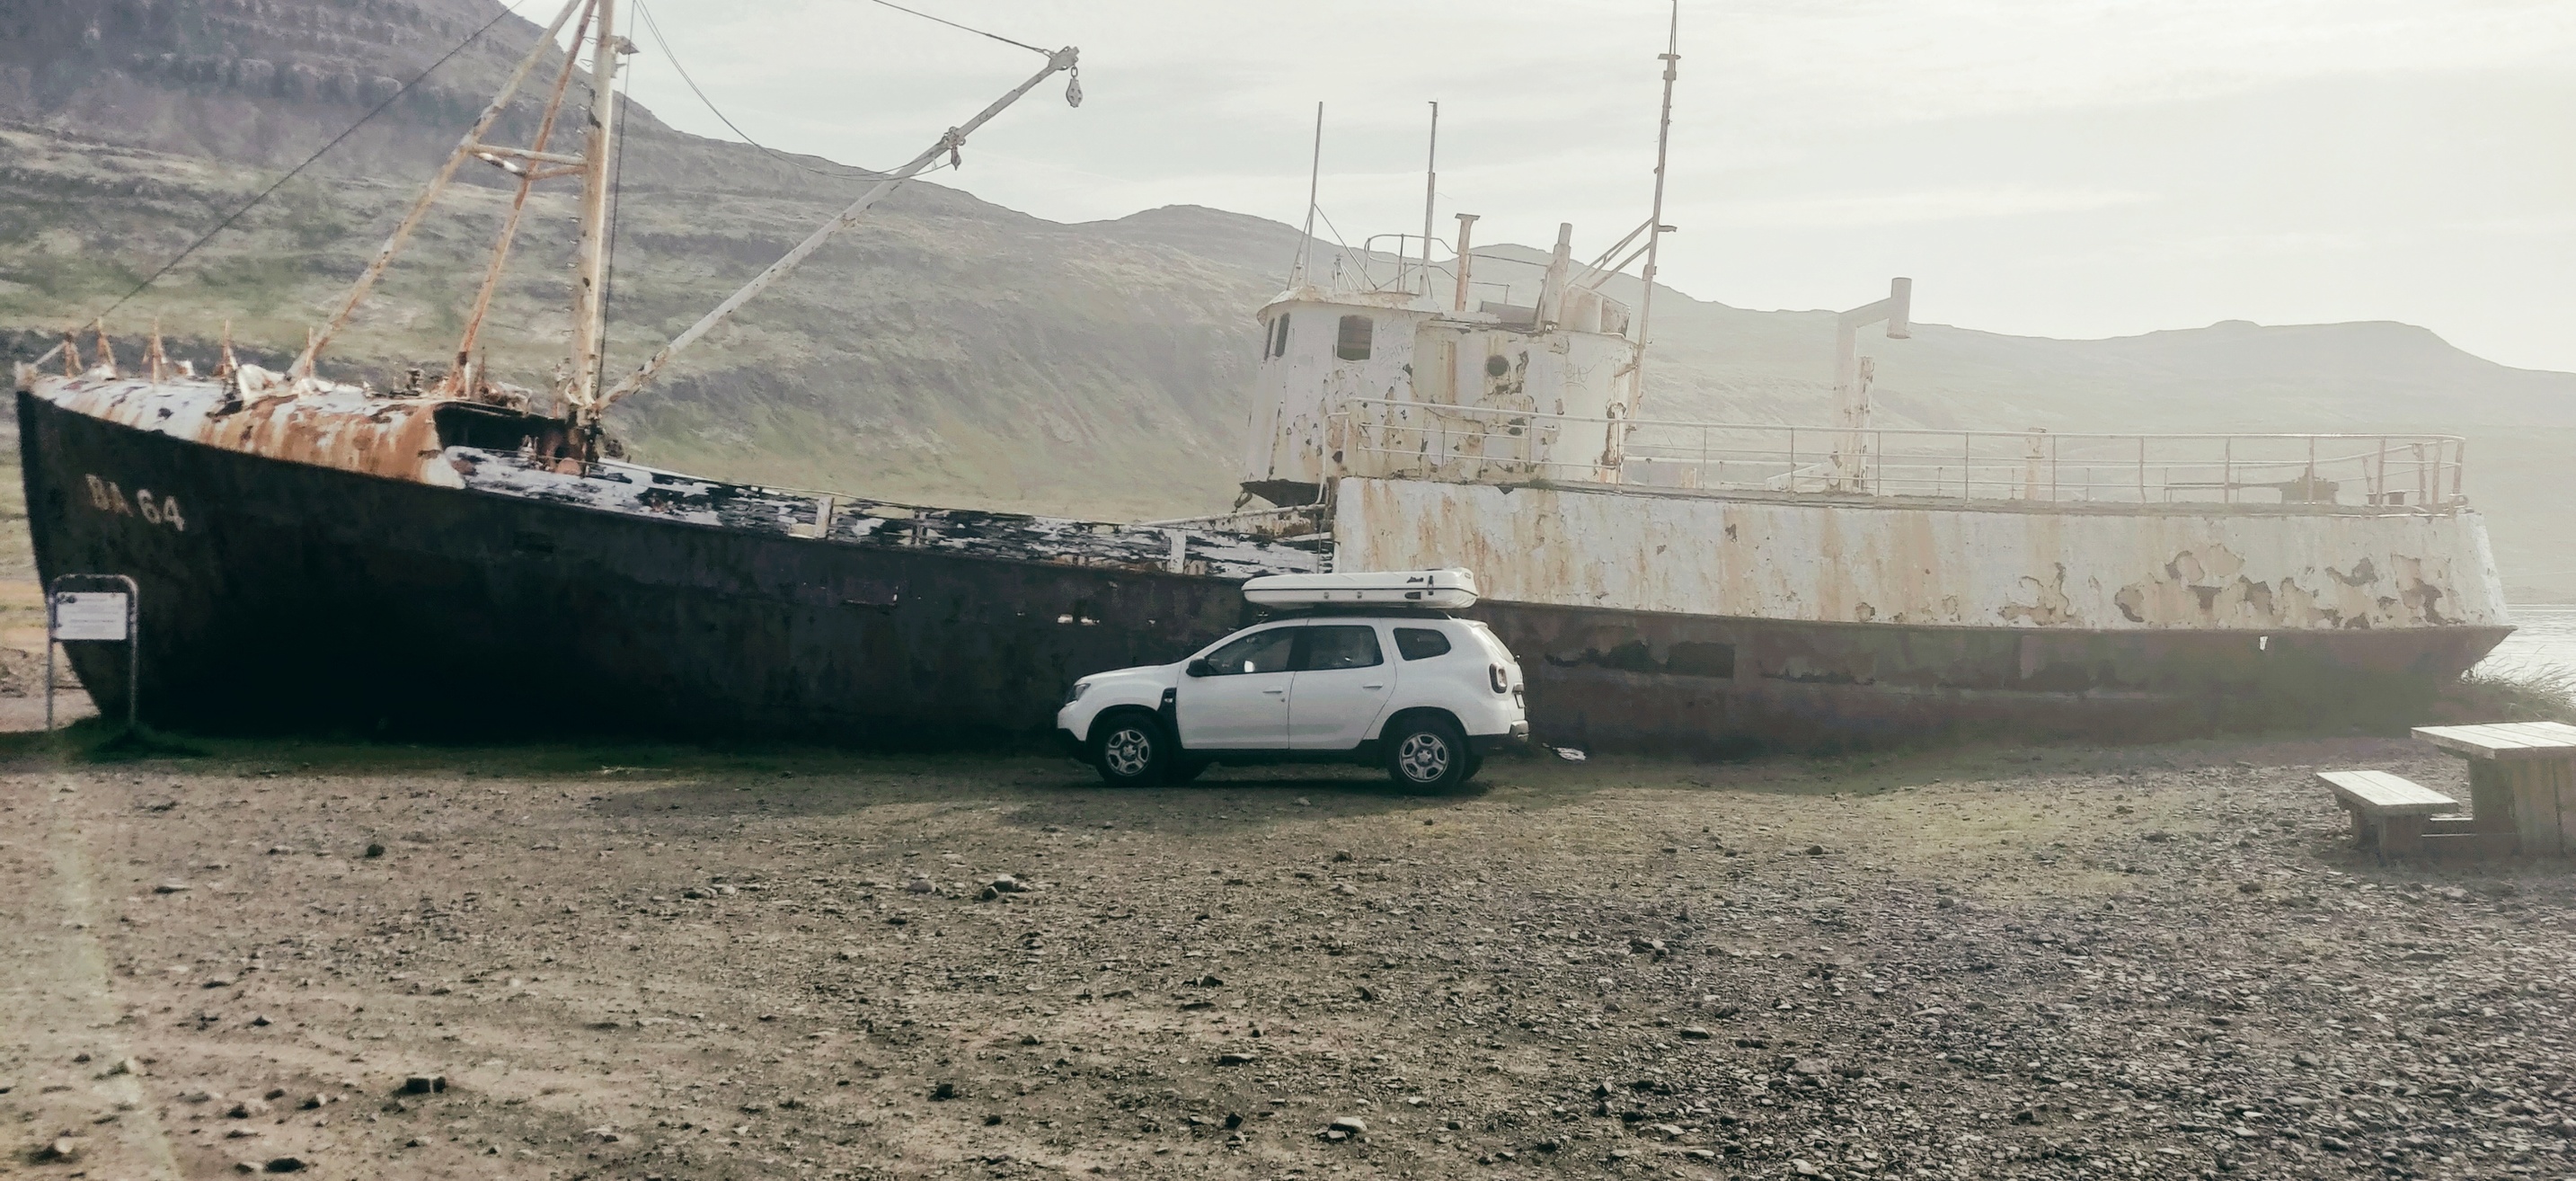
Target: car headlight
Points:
(1075, 694)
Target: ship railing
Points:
(1403, 439)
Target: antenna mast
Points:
(1314, 173)
(1672, 57)
(1430, 193)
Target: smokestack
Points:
(1551, 291)
(1466, 228)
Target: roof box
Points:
(1441, 589)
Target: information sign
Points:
(89, 615)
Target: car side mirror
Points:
(1201, 668)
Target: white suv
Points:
(1422, 694)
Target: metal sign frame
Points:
(133, 637)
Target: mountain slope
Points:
(948, 349)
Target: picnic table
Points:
(2522, 781)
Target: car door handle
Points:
(1378, 685)
(1274, 691)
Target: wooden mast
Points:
(469, 146)
(580, 390)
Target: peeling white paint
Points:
(2177, 567)
(1423, 356)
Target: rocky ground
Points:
(2151, 962)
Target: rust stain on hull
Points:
(259, 413)
(540, 600)
(1965, 565)
(299, 597)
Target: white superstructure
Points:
(1430, 355)
(1508, 438)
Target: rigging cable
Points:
(963, 28)
(650, 26)
(1358, 259)
(291, 173)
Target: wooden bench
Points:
(2390, 813)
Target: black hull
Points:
(305, 598)
(1633, 681)
(302, 598)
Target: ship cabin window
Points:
(1279, 336)
(1353, 343)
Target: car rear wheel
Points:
(1427, 753)
(1131, 750)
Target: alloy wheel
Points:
(1129, 751)
(1423, 757)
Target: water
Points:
(2543, 643)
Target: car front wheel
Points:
(1427, 754)
(1131, 750)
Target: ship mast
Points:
(1430, 193)
(1314, 177)
(582, 398)
(1616, 446)
(590, 259)
(1672, 57)
(471, 146)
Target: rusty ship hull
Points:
(1686, 619)
(291, 596)
(1699, 685)
(515, 599)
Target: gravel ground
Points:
(2142, 962)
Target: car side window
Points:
(1260, 652)
(1340, 646)
(1420, 643)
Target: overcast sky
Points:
(2071, 168)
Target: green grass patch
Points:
(2538, 696)
(94, 740)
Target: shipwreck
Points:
(443, 556)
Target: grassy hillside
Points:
(950, 350)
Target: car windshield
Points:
(1260, 652)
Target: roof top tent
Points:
(1450, 589)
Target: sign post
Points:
(110, 616)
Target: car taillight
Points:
(1502, 679)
